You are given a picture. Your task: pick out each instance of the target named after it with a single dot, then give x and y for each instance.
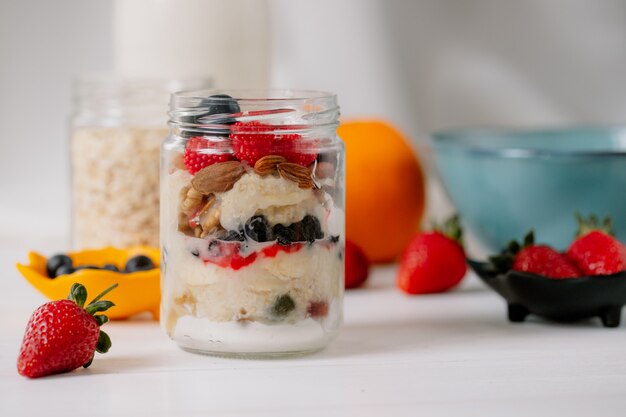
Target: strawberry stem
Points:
(451, 228)
(103, 293)
(592, 223)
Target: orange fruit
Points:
(384, 188)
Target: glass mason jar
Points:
(252, 222)
(117, 130)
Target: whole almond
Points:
(267, 164)
(217, 178)
(296, 173)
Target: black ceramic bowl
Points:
(563, 300)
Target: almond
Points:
(296, 173)
(267, 164)
(217, 178)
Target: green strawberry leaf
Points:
(101, 319)
(86, 364)
(78, 294)
(99, 306)
(104, 343)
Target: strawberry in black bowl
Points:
(588, 280)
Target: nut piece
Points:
(209, 202)
(217, 178)
(267, 164)
(192, 200)
(183, 224)
(210, 222)
(296, 173)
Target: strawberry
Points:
(251, 141)
(357, 265)
(546, 261)
(534, 259)
(194, 159)
(62, 335)
(433, 261)
(595, 251)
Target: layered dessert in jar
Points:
(252, 222)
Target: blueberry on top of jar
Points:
(221, 104)
(215, 104)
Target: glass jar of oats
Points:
(116, 132)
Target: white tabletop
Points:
(440, 355)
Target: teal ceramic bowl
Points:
(504, 183)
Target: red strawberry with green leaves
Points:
(433, 261)
(199, 154)
(63, 335)
(534, 259)
(253, 140)
(595, 251)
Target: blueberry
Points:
(195, 252)
(283, 234)
(311, 228)
(64, 270)
(283, 305)
(258, 229)
(139, 263)
(224, 104)
(297, 232)
(215, 104)
(334, 239)
(55, 262)
(111, 267)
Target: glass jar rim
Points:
(278, 95)
(278, 111)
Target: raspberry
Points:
(250, 145)
(195, 161)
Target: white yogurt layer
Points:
(251, 337)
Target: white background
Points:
(424, 65)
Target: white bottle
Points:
(227, 40)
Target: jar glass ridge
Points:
(252, 222)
